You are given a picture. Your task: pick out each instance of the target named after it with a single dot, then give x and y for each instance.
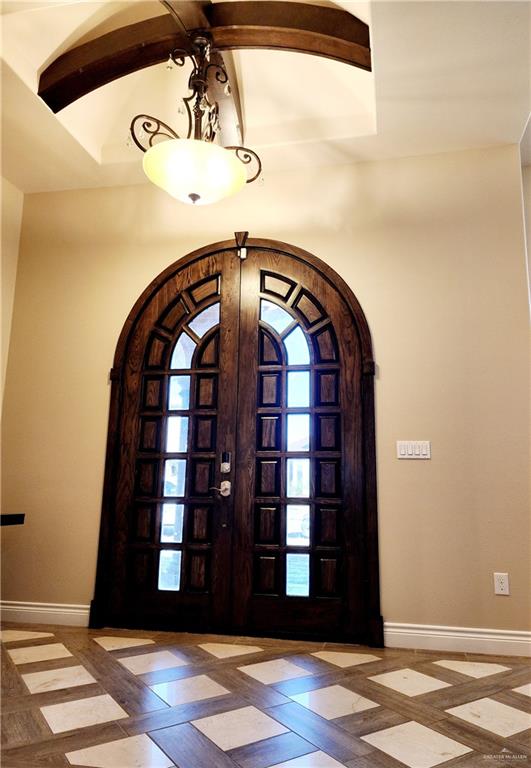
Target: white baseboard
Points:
(45, 613)
(504, 642)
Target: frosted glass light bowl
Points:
(193, 171)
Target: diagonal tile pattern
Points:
(80, 714)
(117, 643)
(151, 662)
(276, 671)
(133, 752)
(333, 701)
(474, 669)
(57, 679)
(228, 650)
(493, 716)
(189, 689)
(345, 659)
(239, 727)
(416, 746)
(39, 653)
(409, 682)
(75, 697)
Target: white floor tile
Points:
(115, 643)
(475, 669)
(227, 650)
(409, 682)
(525, 689)
(56, 679)
(493, 716)
(82, 713)
(268, 672)
(313, 760)
(188, 689)
(12, 635)
(345, 659)
(151, 662)
(415, 745)
(238, 727)
(333, 701)
(132, 752)
(39, 653)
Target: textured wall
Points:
(432, 247)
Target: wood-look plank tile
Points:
(369, 721)
(188, 748)
(247, 687)
(325, 735)
(82, 737)
(12, 684)
(29, 701)
(20, 728)
(271, 751)
(129, 692)
(180, 714)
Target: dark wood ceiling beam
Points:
(312, 29)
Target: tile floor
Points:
(118, 699)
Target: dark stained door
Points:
(239, 489)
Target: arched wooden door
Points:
(240, 480)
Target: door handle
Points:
(224, 488)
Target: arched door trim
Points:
(374, 629)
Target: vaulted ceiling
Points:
(446, 76)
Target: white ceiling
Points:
(446, 76)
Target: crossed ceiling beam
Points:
(260, 24)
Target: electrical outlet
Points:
(501, 584)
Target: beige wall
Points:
(12, 203)
(433, 249)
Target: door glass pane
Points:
(297, 347)
(298, 478)
(177, 434)
(275, 316)
(182, 354)
(170, 569)
(298, 575)
(205, 320)
(298, 389)
(298, 525)
(298, 432)
(172, 523)
(174, 477)
(179, 393)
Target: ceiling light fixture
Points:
(196, 169)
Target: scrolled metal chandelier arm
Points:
(247, 156)
(149, 133)
(145, 128)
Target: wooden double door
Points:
(240, 489)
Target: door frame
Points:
(373, 630)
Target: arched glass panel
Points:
(297, 347)
(205, 320)
(275, 316)
(183, 352)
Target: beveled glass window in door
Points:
(287, 554)
(189, 451)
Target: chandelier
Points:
(195, 169)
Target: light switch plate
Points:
(413, 449)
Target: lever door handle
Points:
(224, 488)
